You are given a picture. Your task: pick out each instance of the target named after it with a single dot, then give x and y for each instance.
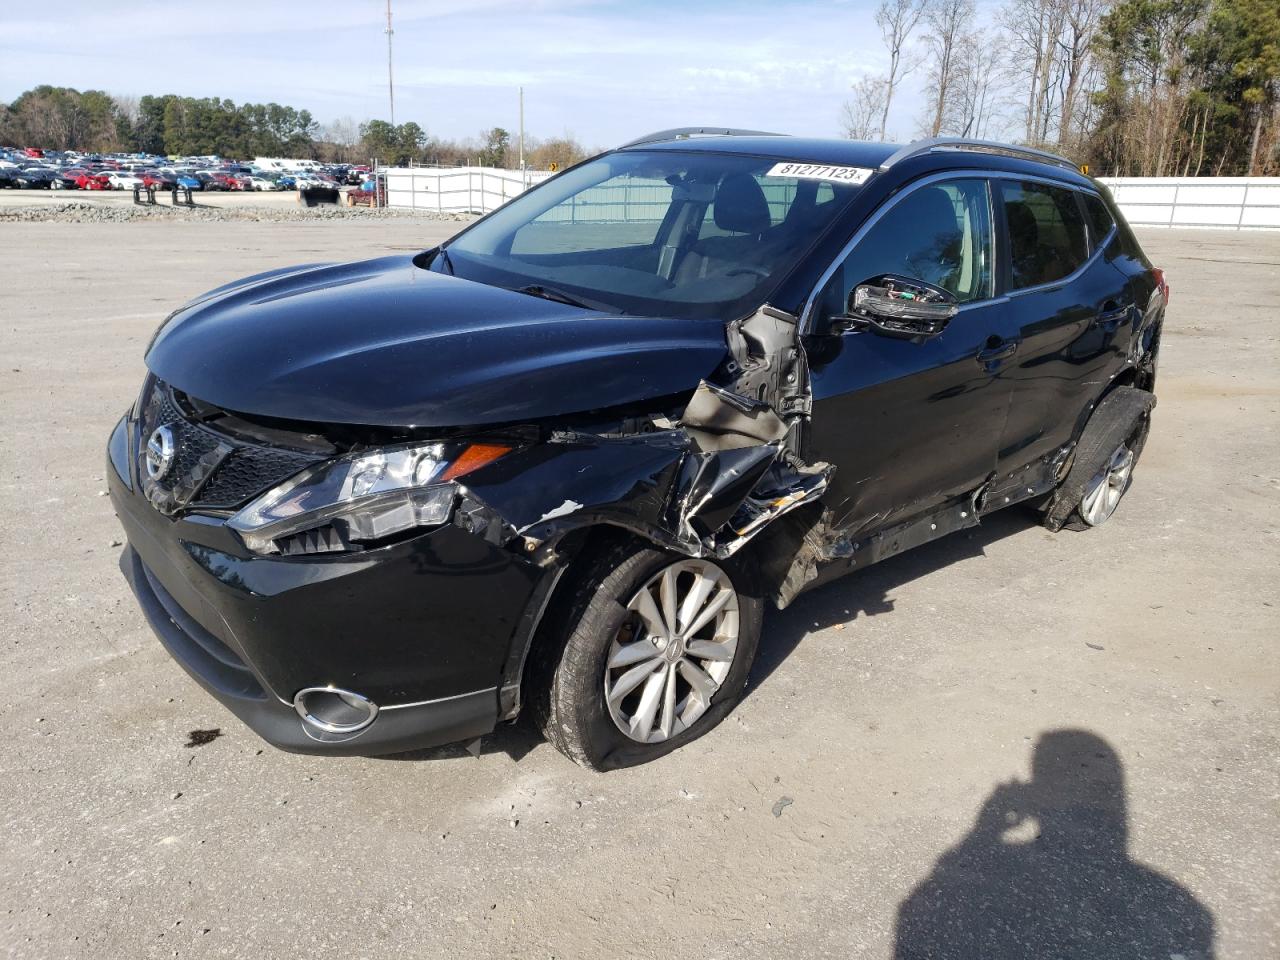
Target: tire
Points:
(596, 623)
(1104, 460)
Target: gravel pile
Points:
(81, 212)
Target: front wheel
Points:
(656, 651)
(1103, 462)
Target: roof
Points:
(848, 153)
(958, 152)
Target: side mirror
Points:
(900, 307)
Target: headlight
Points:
(360, 498)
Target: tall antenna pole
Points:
(522, 130)
(391, 89)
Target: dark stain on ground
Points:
(198, 738)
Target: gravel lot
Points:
(861, 792)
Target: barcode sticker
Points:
(820, 171)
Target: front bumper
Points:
(423, 628)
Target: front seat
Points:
(935, 251)
(740, 209)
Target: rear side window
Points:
(1046, 233)
(1100, 221)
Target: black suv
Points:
(567, 457)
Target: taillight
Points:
(1160, 282)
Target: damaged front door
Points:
(911, 424)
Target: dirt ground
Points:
(1005, 744)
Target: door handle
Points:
(996, 349)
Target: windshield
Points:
(688, 235)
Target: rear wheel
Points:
(656, 650)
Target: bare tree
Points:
(1033, 27)
(344, 131)
(897, 20)
(861, 114)
(127, 106)
(1074, 44)
(945, 20)
(979, 86)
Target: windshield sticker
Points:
(818, 171)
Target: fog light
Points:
(337, 713)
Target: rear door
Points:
(1071, 308)
(911, 425)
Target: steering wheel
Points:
(760, 272)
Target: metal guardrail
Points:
(1223, 203)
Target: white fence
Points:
(456, 189)
(1233, 203)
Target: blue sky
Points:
(602, 70)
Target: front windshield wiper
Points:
(559, 296)
(444, 258)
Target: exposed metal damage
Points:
(704, 481)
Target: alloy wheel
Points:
(1103, 492)
(674, 651)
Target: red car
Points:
(161, 181)
(88, 180)
(223, 181)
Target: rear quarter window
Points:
(1100, 221)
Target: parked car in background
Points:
(92, 180)
(66, 179)
(158, 180)
(190, 181)
(33, 178)
(123, 180)
(263, 183)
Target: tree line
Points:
(93, 121)
(1131, 87)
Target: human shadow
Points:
(1045, 873)
(867, 593)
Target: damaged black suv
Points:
(567, 457)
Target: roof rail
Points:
(684, 133)
(933, 144)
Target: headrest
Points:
(740, 205)
(1022, 223)
(932, 207)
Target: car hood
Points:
(384, 342)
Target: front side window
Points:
(663, 233)
(939, 233)
(1046, 233)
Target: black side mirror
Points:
(899, 307)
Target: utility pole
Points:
(522, 134)
(391, 89)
